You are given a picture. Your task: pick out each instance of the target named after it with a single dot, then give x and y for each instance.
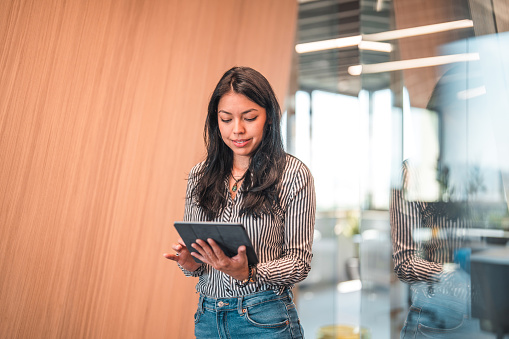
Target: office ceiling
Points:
(330, 19)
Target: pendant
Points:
(234, 188)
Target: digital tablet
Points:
(229, 236)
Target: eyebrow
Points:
(245, 112)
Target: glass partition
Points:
(407, 138)
(435, 256)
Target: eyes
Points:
(227, 120)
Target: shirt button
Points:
(220, 304)
(228, 290)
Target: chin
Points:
(243, 152)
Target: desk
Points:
(490, 289)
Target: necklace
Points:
(234, 187)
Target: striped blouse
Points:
(282, 242)
(424, 234)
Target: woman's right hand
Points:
(182, 256)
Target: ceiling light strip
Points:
(375, 46)
(421, 30)
(412, 63)
(328, 44)
(359, 40)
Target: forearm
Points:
(417, 269)
(287, 270)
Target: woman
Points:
(248, 178)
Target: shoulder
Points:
(197, 168)
(295, 167)
(296, 175)
(297, 181)
(196, 172)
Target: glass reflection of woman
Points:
(425, 243)
(248, 178)
(428, 233)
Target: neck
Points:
(240, 166)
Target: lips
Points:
(240, 142)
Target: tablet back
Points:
(229, 236)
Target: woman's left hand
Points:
(210, 253)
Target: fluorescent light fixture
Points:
(328, 44)
(421, 30)
(375, 46)
(367, 41)
(323, 45)
(355, 70)
(412, 63)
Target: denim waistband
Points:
(240, 302)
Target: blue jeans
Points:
(259, 315)
(441, 310)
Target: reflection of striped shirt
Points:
(282, 242)
(424, 234)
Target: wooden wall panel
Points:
(102, 105)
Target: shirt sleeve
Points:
(410, 264)
(196, 273)
(295, 262)
(190, 215)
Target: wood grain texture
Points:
(102, 105)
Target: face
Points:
(241, 123)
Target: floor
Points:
(326, 305)
(316, 309)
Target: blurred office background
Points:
(102, 105)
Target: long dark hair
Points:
(267, 162)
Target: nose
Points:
(238, 127)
